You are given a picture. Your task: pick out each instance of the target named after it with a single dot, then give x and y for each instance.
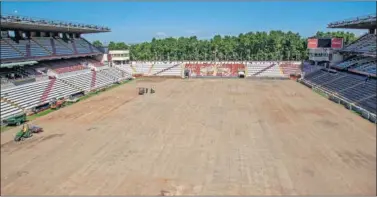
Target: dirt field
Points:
(197, 136)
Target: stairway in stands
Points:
(94, 78)
(133, 69)
(74, 46)
(150, 69)
(125, 73)
(53, 46)
(71, 85)
(14, 48)
(42, 46)
(165, 69)
(264, 69)
(109, 75)
(47, 91)
(64, 44)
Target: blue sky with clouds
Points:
(134, 22)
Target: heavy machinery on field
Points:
(143, 91)
(17, 119)
(241, 74)
(27, 132)
(57, 104)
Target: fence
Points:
(342, 100)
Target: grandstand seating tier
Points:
(8, 110)
(351, 87)
(38, 48)
(264, 69)
(30, 95)
(365, 44)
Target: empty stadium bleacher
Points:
(37, 50)
(115, 73)
(73, 77)
(125, 68)
(44, 48)
(8, 110)
(83, 46)
(365, 44)
(355, 89)
(165, 70)
(62, 49)
(66, 66)
(38, 66)
(82, 80)
(18, 46)
(369, 68)
(93, 62)
(33, 94)
(9, 52)
(264, 69)
(44, 42)
(289, 68)
(359, 64)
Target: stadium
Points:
(210, 127)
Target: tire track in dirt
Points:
(196, 136)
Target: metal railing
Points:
(40, 21)
(342, 100)
(354, 20)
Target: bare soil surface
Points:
(195, 136)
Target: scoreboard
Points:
(333, 43)
(322, 49)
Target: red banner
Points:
(337, 43)
(220, 70)
(312, 43)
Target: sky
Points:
(135, 22)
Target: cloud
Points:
(192, 32)
(161, 34)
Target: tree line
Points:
(259, 46)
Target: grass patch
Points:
(42, 113)
(102, 90)
(321, 93)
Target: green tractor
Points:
(26, 132)
(17, 119)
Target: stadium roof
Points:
(363, 22)
(12, 22)
(23, 59)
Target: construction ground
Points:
(195, 136)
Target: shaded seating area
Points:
(354, 88)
